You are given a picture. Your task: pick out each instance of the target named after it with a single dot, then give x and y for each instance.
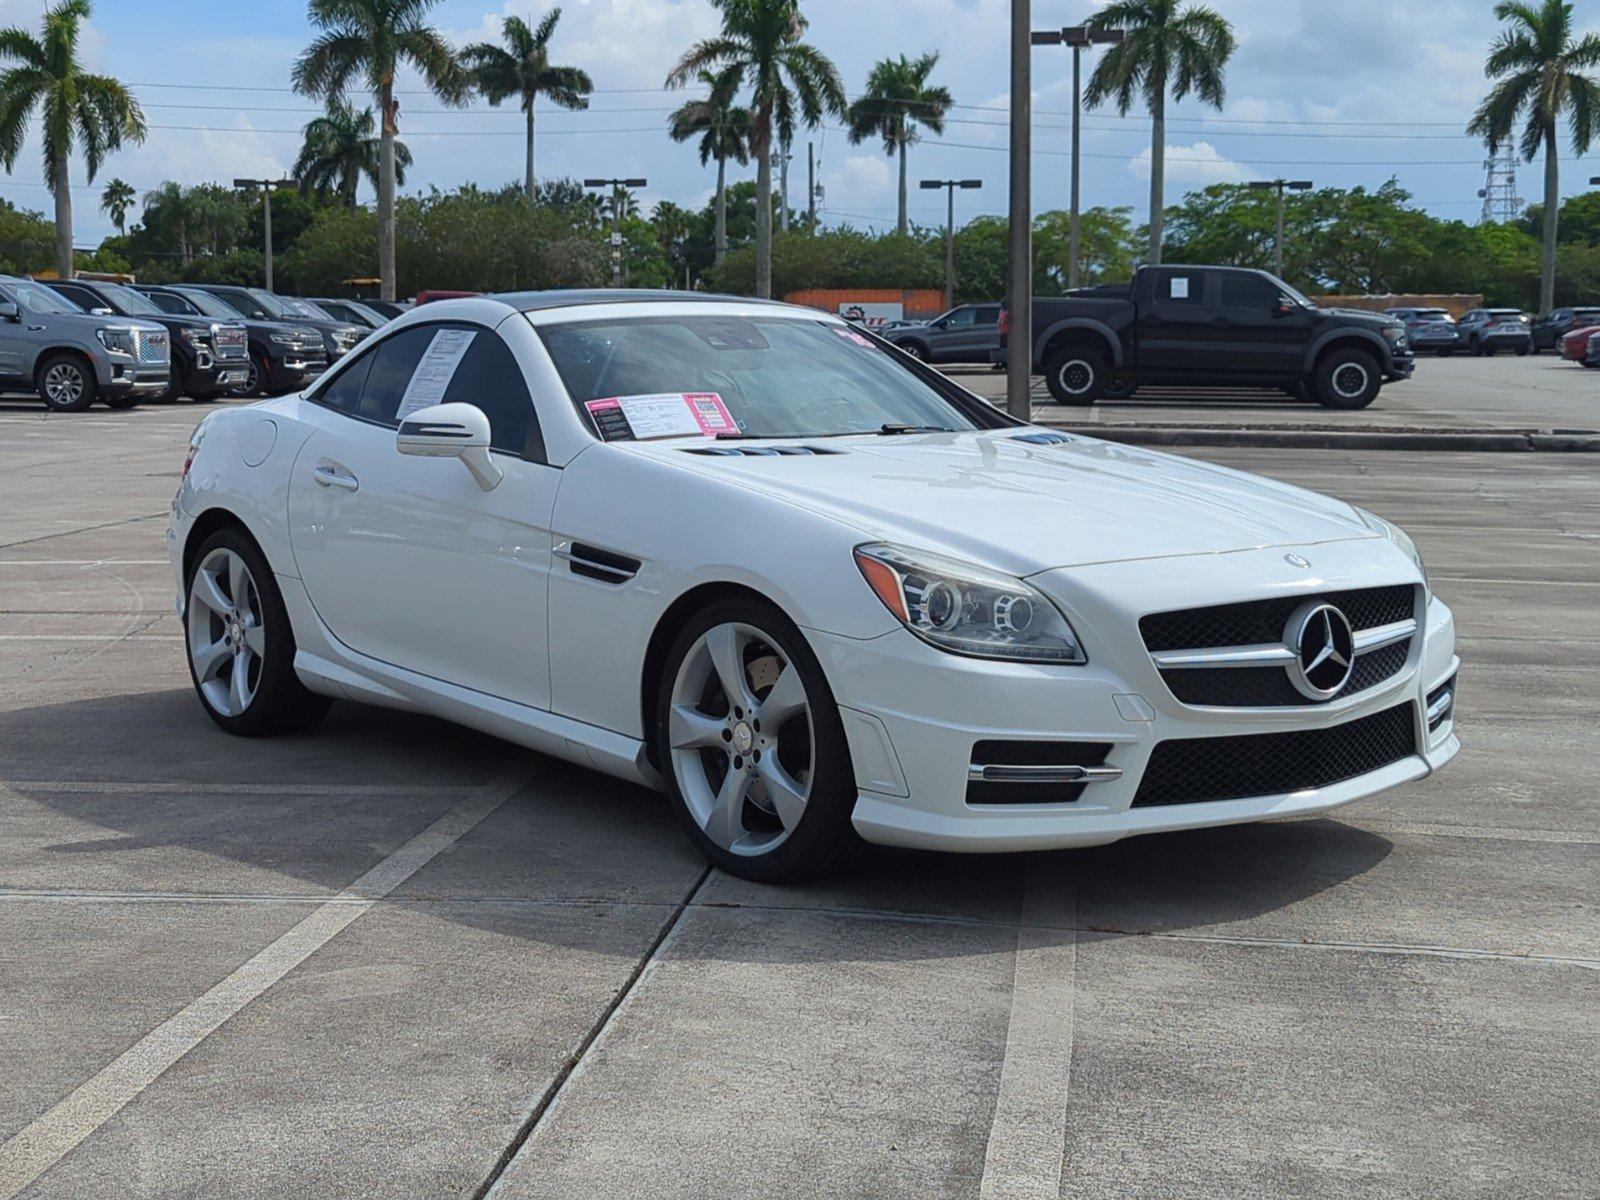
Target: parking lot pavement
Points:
(394, 958)
(1503, 392)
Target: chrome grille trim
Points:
(152, 347)
(1001, 773)
(1277, 654)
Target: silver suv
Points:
(71, 359)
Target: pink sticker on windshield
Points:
(710, 413)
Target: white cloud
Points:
(1198, 164)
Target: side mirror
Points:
(9, 311)
(451, 431)
(102, 311)
(1284, 307)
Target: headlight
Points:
(1400, 538)
(1395, 334)
(968, 609)
(118, 341)
(284, 337)
(190, 336)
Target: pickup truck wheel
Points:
(66, 384)
(1076, 375)
(253, 382)
(122, 402)
(1348, 379)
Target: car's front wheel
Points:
(1348, 379)
(749, 739)
(915, 349)
(66, 384)
(241, 646)
(1076, 375)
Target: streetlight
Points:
(1019, 337)
(1279, 186)
(616, 186)
(266, 186)
(1078, 37)
(950, 186)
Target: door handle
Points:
(328, 477)
(1152, 319)
(35, 328)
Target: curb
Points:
(1512, 441)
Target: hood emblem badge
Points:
(1294, 560)
(1324, 648)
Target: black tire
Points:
(824, 836)
(915, 349)
(1487, 351)
(1446, 353)
(1119, 389)
(55, 375)
(177, 385)
(1475, 348)
(1523, 353)
(281, 703)
(122, 402)
(255, 382)
(1300, 390)
(1347, 379)
(1077, 375)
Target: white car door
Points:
(408, 560)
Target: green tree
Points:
(522, 68)
(81, 110)
(115, 201)
(1166, 45)
(760, 45)
(339, 148)
(723, 128)
(897, 99)
(368, 41)
(1579, 219)
(1541, 72)
(170, 210)
(26, 240)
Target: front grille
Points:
(232, 344)
(1032, 754)
(1269, 687)
(1198, 770)
(151, 346)
(1254, 622)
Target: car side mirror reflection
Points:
(451, 431)
(1284, 307)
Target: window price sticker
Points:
(661, 414)
(850, 335)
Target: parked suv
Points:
(283, 357)
(1429, 329)
(208, 357)
(1486, 330)
(338, 337)
(353, 311)
(967, 333)
(1549, 329)
(72, 358)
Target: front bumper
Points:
(126, 379)
(913, 714)
(1401, 365)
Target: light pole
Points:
(616, 186)
(1019, 336)
(266, 186)
(1279, 186)
(1078, 37)
(950, 186)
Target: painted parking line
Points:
(106, 787)
(47, 1140)
(83, 562)
(92, 637)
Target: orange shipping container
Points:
(915, 302)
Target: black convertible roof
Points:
(575, 297)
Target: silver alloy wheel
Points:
(1350, 380)
(227, 642)
(1076, 376)
(63, 384)
(739, 733)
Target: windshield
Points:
(212, 306)
(1433, 314)
(129, 300)
(1290, 292)
(776, 376)
(307, 308)
(276, 306)
(361, 310)
(35, 297)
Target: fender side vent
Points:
(760, 451)
(1043, 438)
(591, 562)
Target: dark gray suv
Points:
(967, 333)
(70, 357)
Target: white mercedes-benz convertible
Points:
(808, 586)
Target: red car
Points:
(430, 294)
(1575, 345)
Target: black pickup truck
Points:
(1211, 326)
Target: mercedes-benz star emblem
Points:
(1324, 647)
(1294, 560)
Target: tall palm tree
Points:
(115, 201)
(341, 147)
(368, 41)
(523, 69)
(896, 101)
(723, 128)
(760, 46)
(176, 208)
(1540, 69)
(1166, 44)
(93, 113)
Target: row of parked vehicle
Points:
(1488, 331)
(78, 341)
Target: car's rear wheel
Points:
(66, 384)
(915, 349)
(749, 739)
(1348, 379)
(241, 646)
(1076, 375)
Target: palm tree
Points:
(174, 207)
(116, 200)
(760, 46)
(1166, 43)
(340, 148)
(524, 70)
(1540, 69)
(91, 112)
(724, 131)
(898, 99)
(368, 40)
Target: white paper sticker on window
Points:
(431, 379)
(1180, 287)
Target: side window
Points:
(394, 361)
(1254, 292)
(82, 297)
(988, 314)
(963, 318)
(343, 392)
(1180, 287)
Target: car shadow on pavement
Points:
(571, 836)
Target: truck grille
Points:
(1198, 770)
(152, 346)
(232, 343)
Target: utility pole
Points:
(1019, 339)
(617, 193)
(950, 186)
(811, 185)
(1279, 186)
(266, 186)
(1078, 37)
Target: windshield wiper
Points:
(890, 428)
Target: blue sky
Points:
(1342, 92)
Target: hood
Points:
(92, 321)
(1361, 316)
(263, 328)
(1024, 507)
(176, 321)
